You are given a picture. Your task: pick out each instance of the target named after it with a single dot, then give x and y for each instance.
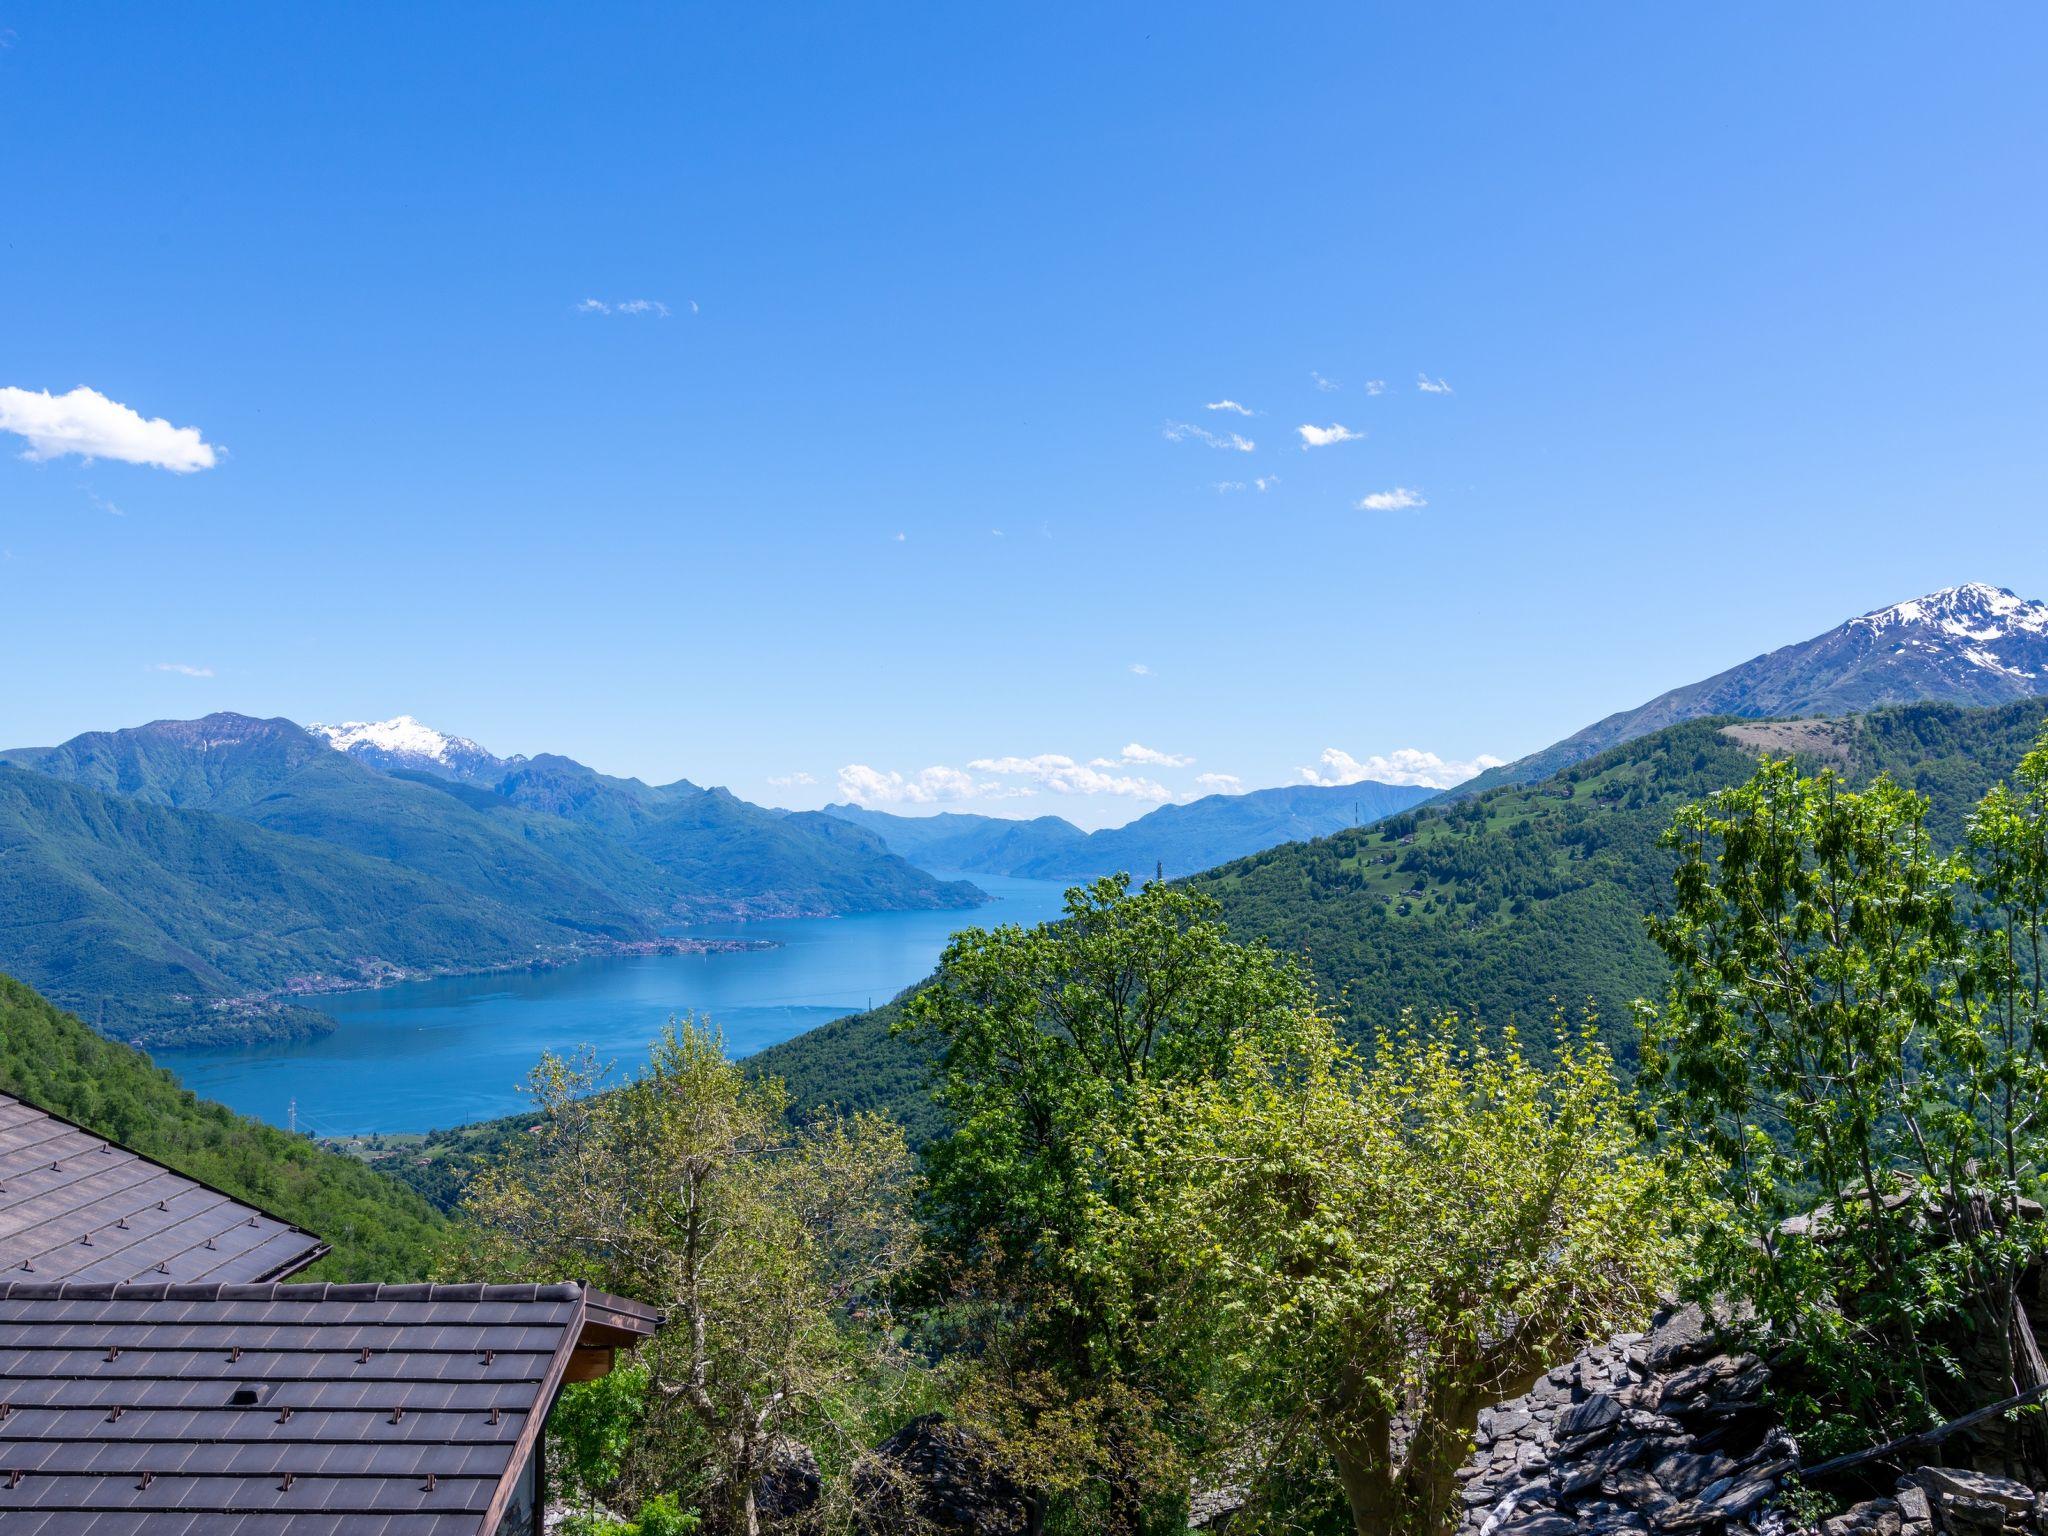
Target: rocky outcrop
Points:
(932, 1476)
(1660, 1432)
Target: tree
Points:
(1374, 1249)
(1047, 1038)
(769, 1248)
(1842, 1028)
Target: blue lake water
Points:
(438, 1053)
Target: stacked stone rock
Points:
(1660, 1432)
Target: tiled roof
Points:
(283, 1410)
(74, 1205)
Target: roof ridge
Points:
(280, 1290)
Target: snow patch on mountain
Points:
(404, 742)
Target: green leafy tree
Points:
(592, 1428)
(1864, 1064)
(1374, 1249)
(770, 1249)
(1046, 1038)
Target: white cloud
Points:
(928, 786)
(1182, 431)
(1230, 405)
(181, 668)
(1404, 765)
(1323, 437)
(1266, 482)
(627, 307)
(1375, 386)
(1135, 755)
(1326, 385)
(1063, 776)
(901, 537)
(1399, 499)
(792, 780)
(1139, 669)
(1225, 487)
(1430, 386)
(1220, 783)
(87, 423)
(693, 306)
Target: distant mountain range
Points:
(1178, 839)
(181, 880)
(1972, 644)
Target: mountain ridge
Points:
(1972, 644)
(1174, 839)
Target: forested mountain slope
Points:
(1507, 905)
(142, 917)
(379, 1230)
(156, 874)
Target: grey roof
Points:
(282, 1410)
(75, 1206)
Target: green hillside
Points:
(1498, 905)
(274, 774)
(140, 917)
(378, 1230)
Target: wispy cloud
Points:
(1326, 385)
(180, 668)
(928, 786)
(1225, 487)
(1431, 386)
(1375, 386)
(1139, 669)
(653, 307)
(1399, 499)
(1323, 437)
(792, 780)
(1266, 482)
(1063, 776)
(105, 505)
(1230, 405)
(88, 424)
(1183, 431)
(1220, 783)
(1404, 765)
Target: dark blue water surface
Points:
(440, 1053)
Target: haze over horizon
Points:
(1115, 408)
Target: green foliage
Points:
(1855, 1018)
(1371, 1250)
(592, 1427)
(770, 1248)
(663, 1515)
(378, 1230)
(1047, 1042)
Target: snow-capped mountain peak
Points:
(404, 742)
(1972, 611)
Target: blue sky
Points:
(1740, 314)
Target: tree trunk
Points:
(1363, 1459)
